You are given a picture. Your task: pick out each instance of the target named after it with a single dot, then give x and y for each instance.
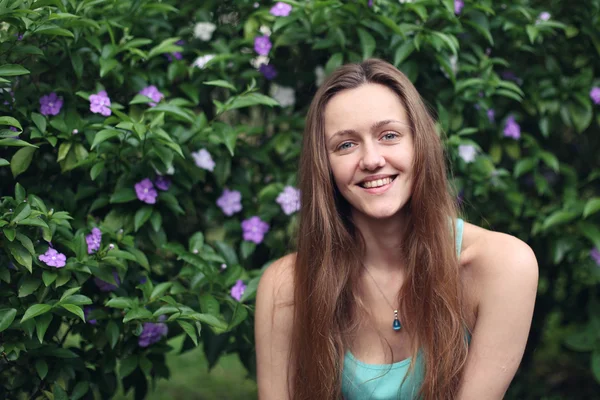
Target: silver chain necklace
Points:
(396, 324)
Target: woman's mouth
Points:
(377, 182)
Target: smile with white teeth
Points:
(377, 183)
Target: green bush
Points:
(193, 115)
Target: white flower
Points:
(231, 18)
(544, 16)
(203, 60)
(285, 96)
(259, 60)
(405, 1)
(467, 152)
(453, 63)
(203, 160)
(204, 30)
(319, 75)
(265, 30)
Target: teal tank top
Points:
(362, 381)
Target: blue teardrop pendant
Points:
(396, 325)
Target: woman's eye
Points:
(390, 136)
(345, 146)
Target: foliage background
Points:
(68, 173)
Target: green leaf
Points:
(5, 275)
(334, 61)
(209, 305)
(104, 135)
(77, 299)
(34, 221)
(128, 365)
(166, 46)
(12, 70)
(96, 170)
(74, 309)
(582, 340)
(29, 286)
(160, 289)
(240, 313)
(550, 160)
(49, 277)
(7, 316)
(15, 143)
(591, 207)
(42, 368)
(590, 231)
(173, 111)
(558, 218)
(20, 193)
(4, 162)
(63, 150)
(21, 160)
(523, 166)
(10, 233)
(190, 330)
(35, 310)
(250, 291)
(41, 325)
(20, 254)
(140, 257)
(210, 320)
(141, 216)
(196, 242)
(595, 364)
(112, 333)
(80, 390)
(221, 83)
(137, 313)
(107, 65)
(403, 51)
(10, 121)
(59, 392)
(367, 43)
(69, 292)
(22, 211)
(156, 220)
(39, 121)
(123, 195)
(26, 242)
(120, 302)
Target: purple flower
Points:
(100, 103)
(254, 229)
(175, 55)
(491, 114)
(262, 45)
(370, 3)
(511, 76)
(153, 93)
(512, 129)
(93, 240)
(152, 333)
(458, 6)
(230, 202)
(289, 200)
(595, 254)
(105, 286)
(281, 9)
(53, 258)
(268, 71)
(544, 16)
(203, 160)
(12, 128)
(86, 312)
(595, 94)
(162, 182)
(50, 104)
(145, 191)
(237, 291)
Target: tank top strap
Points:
(459, 234)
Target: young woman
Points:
(389, 295)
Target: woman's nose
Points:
(371, 159)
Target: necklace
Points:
(396, 324)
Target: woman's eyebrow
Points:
(374, 127)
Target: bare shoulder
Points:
(277, 281)
(498, 259)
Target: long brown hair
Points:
(330, 252)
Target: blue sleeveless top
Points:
(362, 381)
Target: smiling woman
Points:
(389, 295)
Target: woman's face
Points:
(370, 149)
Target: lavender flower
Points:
(370, 3)
(268, 71)
(145, 191)
(262, 45)
(254, 229)
(595, 254)
(458, 6)
(467, 152)
(105, 286)
(230, 202)
(100, 103)
(237, 291)
(544, 16)
(289, 200)
(512, 129)
(50, 104)
(93, 240)
(53, 258)
(491, 114)
(162, 182)
(86, 313)
(595, 94)
(152, 333)
(203, 160)
(176, 54)
(281, 9)
(153, 93)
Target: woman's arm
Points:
(273, 329)
(504, 274)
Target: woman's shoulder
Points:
(497, 259)
(278, 279)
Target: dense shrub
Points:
(148, 159)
